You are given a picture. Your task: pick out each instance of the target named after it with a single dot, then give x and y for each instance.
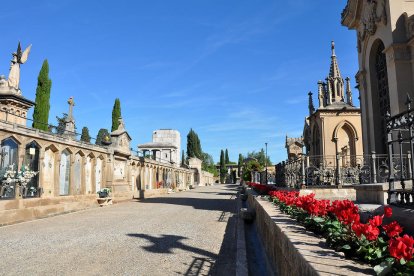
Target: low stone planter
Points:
(295, 251)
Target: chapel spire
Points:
(335, 81)
(334, 71)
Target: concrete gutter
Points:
(241, 257)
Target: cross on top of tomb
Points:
(71, 105)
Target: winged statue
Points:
(19, 57)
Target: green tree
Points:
(60, 129)
(194, 145)
(260, 157)
(102, 136)
(239, 164)
(116, 114)
(249, 167)
(223, 170)
(226, 157)
(85, 137)
(42, 107)
(208, 164)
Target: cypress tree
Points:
(102, 133)
(222, 167)
(239, 164)
(116, 114)
(226, 157)
(42, 107)
(85, 137)
(194, 145)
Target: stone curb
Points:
(241, 257)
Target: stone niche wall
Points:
(71, 172)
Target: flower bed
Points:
(260, 188)
(339, 222)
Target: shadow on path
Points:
(166, 243)
(225, 205)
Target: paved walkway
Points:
(178, 234)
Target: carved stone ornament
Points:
(374, 13)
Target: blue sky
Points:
(236, 71)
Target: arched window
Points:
(9, 153)
(31, 162)
(382, 81)
(316, 140)
(379, 95)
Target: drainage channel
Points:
(257, 260)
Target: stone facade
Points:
(165, 146)
(385, 41)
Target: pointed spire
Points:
(311, 107)
(334, 71)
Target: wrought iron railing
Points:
(340, 170)
(400, 139)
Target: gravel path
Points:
(177, 234)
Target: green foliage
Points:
(226, 157)
(60, 129)
(208, 164)
(85, 137)
(103, 135)
(239, 164)
(250, 167)
(42, 107)
(194, 145)
(260, 157)
(116, 114)
(223, 169)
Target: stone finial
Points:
(333, 48)
(349, 92)
(321, 94)
(311, 106)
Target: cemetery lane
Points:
(180, 233)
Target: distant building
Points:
(165, 146)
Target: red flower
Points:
(371, 232)
(376, 221)
(358, 228)
(402, 248)
(387, 211)
(393, 229)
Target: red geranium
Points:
(393, 229)
(402, 248)
(376, 221)
(387, 211)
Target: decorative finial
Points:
(311, 106)
(333, 47)
(408, 102)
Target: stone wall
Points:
(71, 172)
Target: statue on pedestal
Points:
(19, 57)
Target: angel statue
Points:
(19, 57)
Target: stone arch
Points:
(52, 147)
(65, 171)
(345, 137)
(316, 140)
(9, 152)
(380, 98)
